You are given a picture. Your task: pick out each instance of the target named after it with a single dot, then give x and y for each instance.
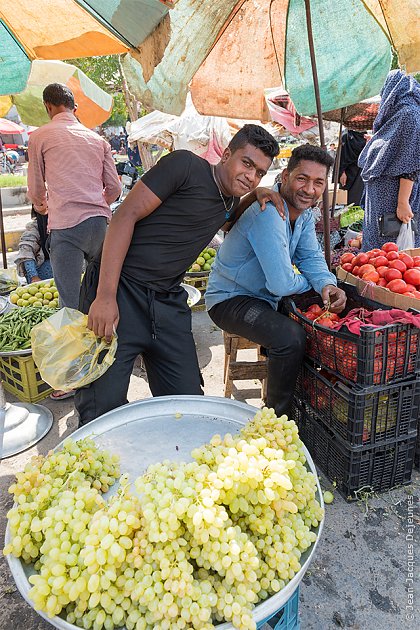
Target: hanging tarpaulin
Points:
(283, 111)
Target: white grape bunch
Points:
(201, 543)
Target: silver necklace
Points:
(227, 211)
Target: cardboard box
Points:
(341, 197)
(380, 294)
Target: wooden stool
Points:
(235, 370)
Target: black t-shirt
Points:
(166, 243)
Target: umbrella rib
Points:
(387, 31)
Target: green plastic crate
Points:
(21, 377)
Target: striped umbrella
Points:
(94, 105)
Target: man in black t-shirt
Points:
(163, 224)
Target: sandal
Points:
(59, 395)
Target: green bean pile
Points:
(16, 326)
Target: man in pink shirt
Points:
(72, 176)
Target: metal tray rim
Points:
(106, 422)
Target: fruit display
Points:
(387, 267)
(204, 261)
(38, 294)
(16, 326)
(378, 355)
(200, 543)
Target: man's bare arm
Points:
(103, 313)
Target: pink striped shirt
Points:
(71, 170)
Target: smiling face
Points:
(241, 171)
(303, 186)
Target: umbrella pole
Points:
(325, 204)
(337, 162)
(2, 237)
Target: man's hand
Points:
(103, 317)
(404, 212)
(334, 298)
(35, 279)
(42, 208)
(343, 179)
(264, 195)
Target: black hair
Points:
(58, 94)
(258, 137)
(311, 153)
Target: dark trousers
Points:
(155, 325)
(282, 337)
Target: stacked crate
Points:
(357, 399)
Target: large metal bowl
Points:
(147, 431)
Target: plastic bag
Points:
(68, 354)
(405, 239)
(8, 281)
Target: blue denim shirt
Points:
(257, 255)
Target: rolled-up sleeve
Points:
(309, 258)
(268, 237)
(112, 185)
(37, 191)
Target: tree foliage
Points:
(104, 71)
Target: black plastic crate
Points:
(356, 470)
(378, 356)
(361, 417)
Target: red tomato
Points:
(397, 286)
(347, 267)
(417, 294)
(328, 315)
(326, 323)
(410, 287)
(361, 259)
(398, 264)
(390, 247)
(406, 259)
(311, 316)
(380, 261)
(409, 294)
(375, 252)
(314, 308)
(382, 282)
(416, 261)
(382, 271)
(346, 258)
(392, 274)
(355, 270)
(365, 269)
(371, 276)
(412, 276)
(392, 255)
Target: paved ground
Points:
(361, 573)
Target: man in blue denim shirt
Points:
(253, 271)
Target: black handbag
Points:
(389, 225)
